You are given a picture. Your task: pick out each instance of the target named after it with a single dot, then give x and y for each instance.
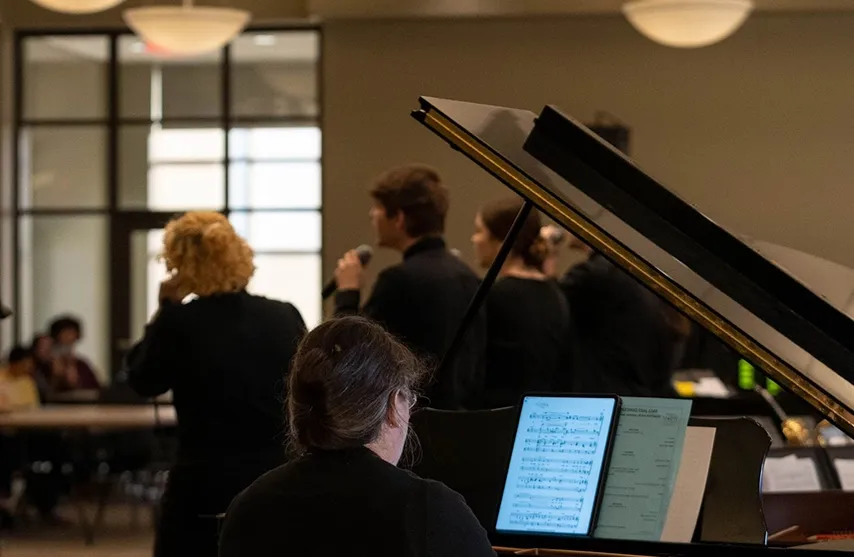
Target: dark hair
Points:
(498, 217)
(18, 353)
(344, 376)
(63, 323)
(416, 191)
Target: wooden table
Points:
(91, 416)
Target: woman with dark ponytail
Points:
(527, 315)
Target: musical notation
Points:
(556, 465)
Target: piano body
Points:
(730, 286)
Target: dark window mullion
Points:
(226, 120)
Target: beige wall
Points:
(756, 131)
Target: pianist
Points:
(349, 398)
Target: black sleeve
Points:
(154, 361)
(243, 534)
(452, 529)
(384, 305)
(296, 316)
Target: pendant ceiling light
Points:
(186, 30)
(78, 6)
(687, 23)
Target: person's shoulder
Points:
(265, 491)
(437, 495)
(397, 273)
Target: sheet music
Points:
(645, 461)
(556, 464)
(845, 471)
(790, 474)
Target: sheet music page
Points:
(845, 471)
(555, 466)
(690, 486)
(790, 474)
(644, 464)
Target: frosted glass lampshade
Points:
(186, 30)
(78, 6)
(687, 23)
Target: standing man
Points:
(422, 299)
(623, 338)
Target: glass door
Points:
(137, 273)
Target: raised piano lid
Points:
(729, 285)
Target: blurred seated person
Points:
(69, 370)
(42, 352)
(225, 356)
(527, 317)
(18, 389)
(624, 338)
(42, 452)
(349, 399)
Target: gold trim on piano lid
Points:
(565, 214)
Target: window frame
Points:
(113, 123)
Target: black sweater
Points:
(422, 301)
(349, 503)
(225, 357)
(527, 323)
(621, 342)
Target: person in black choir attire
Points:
(624, 339)
(423, 299)
(526, 314)
(225, 356)
(349, 398)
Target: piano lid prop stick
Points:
(483, 289)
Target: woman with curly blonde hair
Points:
(225, 355)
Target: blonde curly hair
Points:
(207, 254)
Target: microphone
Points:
(365, 253)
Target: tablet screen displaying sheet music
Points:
(557, 461)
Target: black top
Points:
(225, 357)
(422, 301)
(620, 340)
(349, 503)
(527, 322)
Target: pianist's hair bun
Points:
(498, 217)
(345, 374)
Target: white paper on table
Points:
(690, 486)
(790, 474)
(845, 471)
(711, 387)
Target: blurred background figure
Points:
(18, 389)
(225, 355)
(70, 371)
(623, 338)
(526, 314)
(45, 451)
(41, 350)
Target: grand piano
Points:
(729, 285)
